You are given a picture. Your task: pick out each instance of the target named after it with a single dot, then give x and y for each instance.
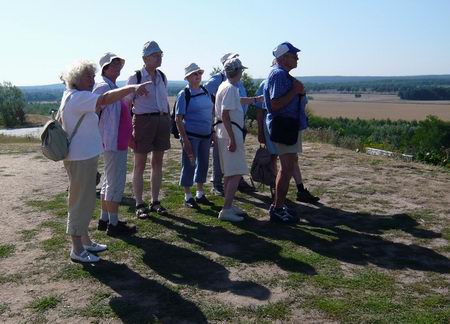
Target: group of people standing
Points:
(206, 115)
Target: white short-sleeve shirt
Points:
(228, 98)
(87, 142)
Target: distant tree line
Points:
(425, 93)
(420, 88)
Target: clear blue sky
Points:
(346, 37)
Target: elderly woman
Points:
(230, 137)
(80, 106)
(115, 129)
(194, 111)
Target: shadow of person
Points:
(356, 238)
(246, 247)
(182, 266)
(142, 300)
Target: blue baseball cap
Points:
(284, 48)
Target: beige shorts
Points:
(296, 148)
(232, 163)
(151, 133)
(82, 177)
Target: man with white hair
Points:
(286, 118)
(151, 128)
(212, 86)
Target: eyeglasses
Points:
(197, 73)
(157, 55)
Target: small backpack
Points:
(187, 97)
(262, 170)
(54, 140)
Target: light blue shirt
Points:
(198, 115)
(213, 84)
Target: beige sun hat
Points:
(191, 68)
(107, 58)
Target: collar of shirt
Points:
(111, 84)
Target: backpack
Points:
(187, 97)
(54, 141)
(262, 170)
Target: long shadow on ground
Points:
(246, 247)
(143, 300)
(182, 266)
(356, 238)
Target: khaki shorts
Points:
(232, 163)
(151, 133)
(296, 148)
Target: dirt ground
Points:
(348, 182)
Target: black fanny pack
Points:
(285, 130)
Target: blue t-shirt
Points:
(213, 84)
(198, 117)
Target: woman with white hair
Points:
(80, 106)
(194, 111)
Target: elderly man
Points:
(151, 128)
(212, 86)
(285, 100)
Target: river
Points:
(22, 132)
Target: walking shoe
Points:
(229, 215)
(103, 225)
(95, 247)
(281, 215)
(84, 257)
(245, 187)
(306, 197)
(156, 207)
(191, 203)
(238, 211)
(203, 200)
(120, 229)
(142, 211)
(216, 191)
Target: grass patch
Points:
(6, 139)
(3, 308)
(44, 303)
(72, 272)
(98, 306)
(6, 250)
(13, 278)
(28, 235)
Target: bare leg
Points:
(157, 163)
(140, 160)
(231, 185)
(284, 175)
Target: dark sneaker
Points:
(203, 200)
(216, 191)
(306, 197)
(282, 215)
(120, 229)
(102, 225)
(191, 203)
(156, 207)
(245, 187)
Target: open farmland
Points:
(375, 106)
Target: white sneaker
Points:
(238, 211)
(229, 215)
(84, 257)
(95, 247)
